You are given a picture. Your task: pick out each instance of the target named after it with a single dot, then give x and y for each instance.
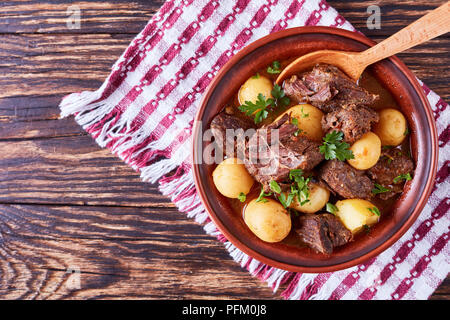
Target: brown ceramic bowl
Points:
(393, 75)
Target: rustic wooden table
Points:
(66, 203)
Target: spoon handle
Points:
(431, 25)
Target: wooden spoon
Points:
(431, 25)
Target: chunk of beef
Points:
(322, 232)
(354, 123)
(391, 164)
(327, 88)
(345, 180)
(275, 150)
(223, 122)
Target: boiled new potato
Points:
(269, 221)
(252, 87)
(318, 198)
(309, 120)
(367, 151)
(391, 128)
(355, 213)
(231, 178)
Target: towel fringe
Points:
(298, 285)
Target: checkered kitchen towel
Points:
(144, 114)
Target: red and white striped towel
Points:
(144, 114)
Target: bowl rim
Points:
(382, 247)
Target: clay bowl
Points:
(393, 75)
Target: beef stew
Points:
(319, 155)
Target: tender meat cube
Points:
(268, 160)
(345, 180)
(327, 88)
(354, 123)
(322, 232)
(391, 164)
(219, 126)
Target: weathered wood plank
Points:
(65, 222)
(19, 16)
(158, 268)
(22, 16)
(120, 252)
(71, 170)
(395, 15)
(56, 65)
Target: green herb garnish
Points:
(300, 187)
(334, 148)
(401, 177)
(242, 197)
(275, 187)
(366, 228)
(294, 121)
(274, 68)
(304, 115)
(257, 109)
(279, 96)
(406, 132)
(256, 76)
(379, 189)
(285, 200)
(331, 208)
(374, 210)
(261, 196)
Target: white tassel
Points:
(275, 279)
(77, 102)
(305, 280)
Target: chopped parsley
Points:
(259, 109)
(367, 228)
(275, 187)
(388, 157)
(286, 200)
(374, 210)
(401, 177)
(294, 121)
(304, 115)
(334, 148)
(242, 197)
(379, 189)
(279, 96)
(274, 68)
(406, 132)
(262, 195)
(331, 208)
(256, 76)
(300, 187)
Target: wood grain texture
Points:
(64, 202)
